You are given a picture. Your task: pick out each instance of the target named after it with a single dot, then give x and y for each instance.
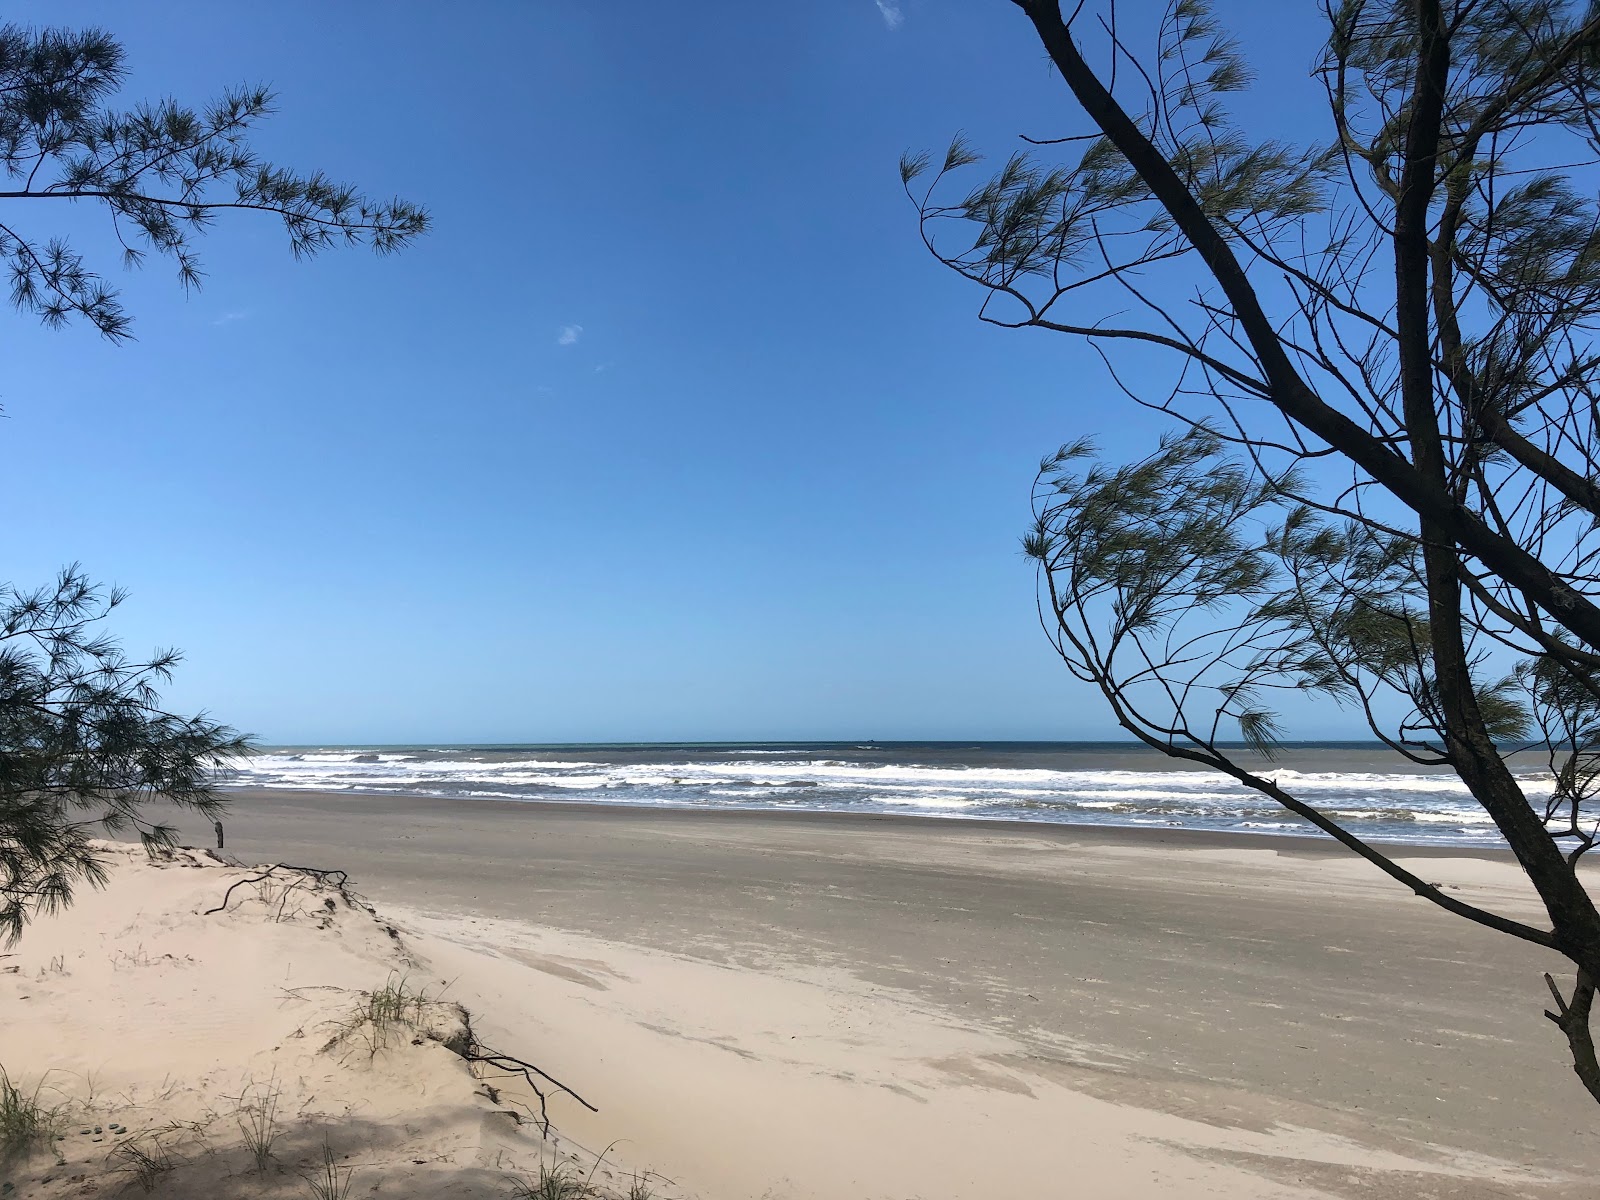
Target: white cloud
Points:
(229, 317)
(569, 335)
(890, 11)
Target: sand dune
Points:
(159, 1029)
(746, 1050)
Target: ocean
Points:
(1373, 792)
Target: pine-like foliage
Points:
(162, 171)
(85, 746)
(1382, 488)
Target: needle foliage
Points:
(1381, 488)
(86, 747)
(162, 173)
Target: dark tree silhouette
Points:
(85, 745)
(1381, 484)
(162, 172)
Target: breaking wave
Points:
(937, 780)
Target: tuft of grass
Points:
(146, 1159)
(393, 1004)
(258, 1120)
(382, 1013)
(138, 958)
(560, 1182)
(330, 1181)
(554, 1183)
(25, 1123)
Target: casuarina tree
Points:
(85, 745)
(160, 172)
(1379, 488)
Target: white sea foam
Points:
(926, 801)
(1407, 805)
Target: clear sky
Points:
(670, 429)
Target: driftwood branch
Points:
(315, 876)
(526, 1070)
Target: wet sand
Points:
(1247, 982)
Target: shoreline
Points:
(805, 1005)
(1293, 843)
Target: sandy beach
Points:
(800, 601)
(799, 1005)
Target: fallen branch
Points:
(516, 1066)
(475, 1053)
(322, 878)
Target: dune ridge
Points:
(169, 1012)
(172, 1036)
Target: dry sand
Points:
(162, 1034)
(799, 1005)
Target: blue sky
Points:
(669, 430)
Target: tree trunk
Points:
(1572, 1018)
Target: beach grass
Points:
(257, 1117)
(394, 1008)
(146, 1160)
(330, 1181)
(553, 1183)
(26, 1123)
(560, 1182)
